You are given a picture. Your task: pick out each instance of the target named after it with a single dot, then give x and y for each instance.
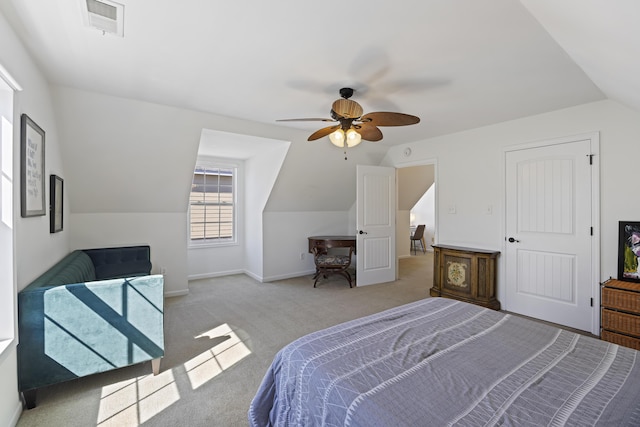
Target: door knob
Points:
(511, 240)
(362, 232)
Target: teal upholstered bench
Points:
(95, 310)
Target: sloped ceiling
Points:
(413, 182)
(601, 37)
(457, 64)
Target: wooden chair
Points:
(418, 236)
(327, 264)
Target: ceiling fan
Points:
(352, 126)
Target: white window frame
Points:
(237, 170)
(8, 290)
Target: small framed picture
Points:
(629, 251)
(56, 189)
(32, 200)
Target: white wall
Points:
(403, 234)
(131, 157)
(35, 248)
(470, 166)
(353, 219)
(147, 228)
(262, 172)
(285, 239)
(10, 406)
(211, 261)
(128, 159)
(256, 178)
(208, 261)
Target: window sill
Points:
(211, 245)
(4, 345)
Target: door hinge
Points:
(591, 302)
(591, 231)
(590, 156)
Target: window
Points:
(212, 205)
(7, 285)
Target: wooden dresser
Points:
(465, 274)
(620, 321)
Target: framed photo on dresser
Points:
(629, 251)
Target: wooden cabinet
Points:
(465, 274)
(620, 313)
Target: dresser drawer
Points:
(621, 322)
(623, 340)
(621, 300)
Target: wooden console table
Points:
(328, 242)
(465, 274)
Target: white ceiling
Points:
(457, 64)
(218, 144)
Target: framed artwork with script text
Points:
(32, 200)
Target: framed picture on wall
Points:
(629, 251)
(56, 188)
(32, 200)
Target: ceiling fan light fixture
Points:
(353, 138)
(337, 138)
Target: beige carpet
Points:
(220, 339)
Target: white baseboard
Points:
(254, 276)
(216, 274)
(16, 414)
(288, 275)
(179, 293)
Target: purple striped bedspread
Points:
(439, 362)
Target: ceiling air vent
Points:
(106, 16)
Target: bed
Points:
(444, 362)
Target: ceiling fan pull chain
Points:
(345, 154)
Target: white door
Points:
(376, 229)
(549, 238)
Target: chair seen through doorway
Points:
(418, 236)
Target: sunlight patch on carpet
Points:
(208, 364)
(134, 401)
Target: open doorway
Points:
(416, 205)
(424, 213)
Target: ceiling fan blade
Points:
(369, 132)
(384, 118)
(310, 119)
(322, 132)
